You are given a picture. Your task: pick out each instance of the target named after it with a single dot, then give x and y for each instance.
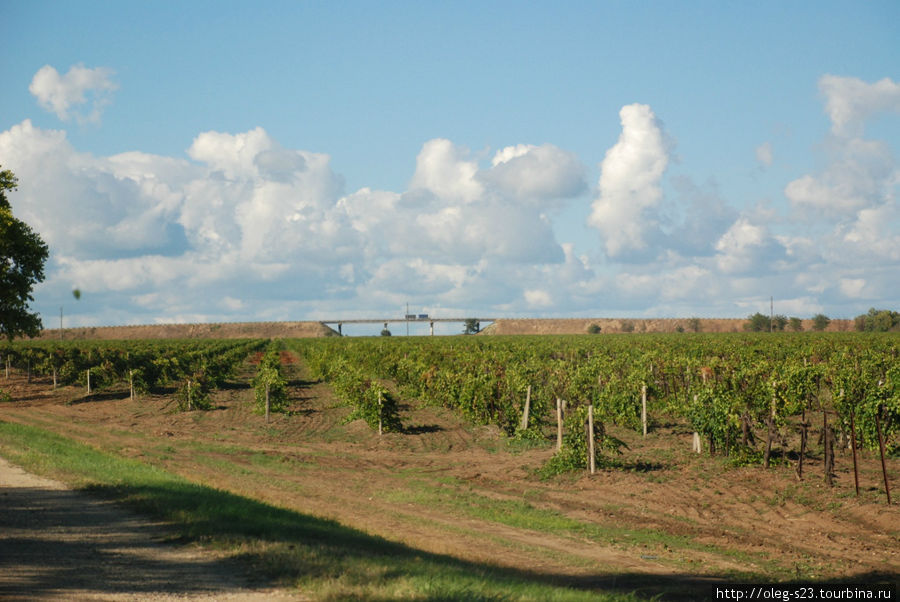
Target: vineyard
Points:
(733, 391)
(490, 441)
(194, 367)
(749, 397)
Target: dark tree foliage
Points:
(22, 257)
(779, 322)
(472, 326)
(820, 322)
(878, 320)
(758, 323)
(762, 323)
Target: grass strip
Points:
(521, 514)
(322, 557)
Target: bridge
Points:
(406, 320)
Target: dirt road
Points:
(57, 544)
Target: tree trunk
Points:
(828, 435)
(768, 453)
(804, 426)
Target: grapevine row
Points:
(728, 388)
(195, 367)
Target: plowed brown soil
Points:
(443, 486)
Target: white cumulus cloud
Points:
(244, 228)
(849, 101)
(630, 181)
(81, 92)
(539, 175)
(443, 170)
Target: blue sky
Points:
(216, 161)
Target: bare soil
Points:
(669, 515)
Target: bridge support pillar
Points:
(432, 327)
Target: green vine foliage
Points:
(194, 393)
(370, 400)
(575, 453)
(268, 376)
(374, 403)
(714, 412)
(738, 380)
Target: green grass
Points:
(324, 558)
(521, 514)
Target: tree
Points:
(878, 320)
(22, 257)
(695, 325)
(796, 324)
(758, 323)
(779, 321)
(472, 326)
(820, 322)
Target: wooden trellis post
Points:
(523, 425)
(887, 487)
(644, 407)
(559, 424)
(380, 422)
(591, 458)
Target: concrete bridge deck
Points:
(417, 318)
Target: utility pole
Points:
(771, 313)
(407, 318)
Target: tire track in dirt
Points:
(59, 544)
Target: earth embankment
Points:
(616, 325)
(224, 330)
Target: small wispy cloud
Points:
(764, 154)
(81, 93)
